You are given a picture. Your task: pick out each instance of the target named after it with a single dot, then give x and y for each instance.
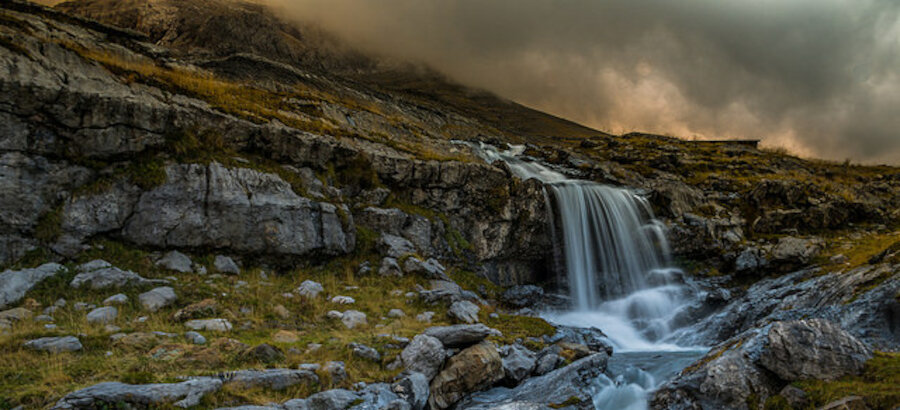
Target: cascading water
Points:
(616, 267)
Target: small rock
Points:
(225, 264)
(201, 309)
(547, 363)
(117, 299)
(429, 269)
(111, 329)
(353, 319)
(264, 353)
(309, 289)
(461, 335)
(336, 370)
(343, 300)
(285, 336)
(195, 338)
(55, 344)
(334, 314)
(518, 363)
(312, 347)
(464, 311)
(104, 315)
(15, 315)
(425, 317)
(99, 274)
(396, 313)
(847, 403)
(281, 311)
(158, 298)
(176, 261)
(395, 246)
(139, 340)
(838, 259)
(80, 306)
(217, 325)
(365, 352)
(51, 326)
(390, 267)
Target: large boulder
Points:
(473, 369)
(112, 394)
(14, 284)
(239, 209)
(461, 335)
(424, 354)
(518, 363)
(570, 384)
(760, 362)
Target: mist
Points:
(817, 77)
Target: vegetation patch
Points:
(877, 384)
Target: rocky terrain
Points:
(225, 209)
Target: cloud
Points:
(819, 77)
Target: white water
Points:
(617, 271)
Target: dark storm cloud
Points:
(819, 77)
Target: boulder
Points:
(523, 296)
(365, 352)
(216, 325)
(226, 265)
(99, 274)
(474, 368)
(812, 349)
(176, 261)
(796, 251)
(157, 298)
(336, 370)
(413, 387)
(395, 246)
(461, 335)
(55, 344)
(14, 284)
(564, 385)
(464, 311)
(195, 338)
(117, 299)
(424, 354)
(103, 315)
(184, 394)
(389, 267)
(331, 399)
(353, 319)
(518, 363)
(761, 362)
(272, 379)
(240, 209)
(309, 289)
(429, 269)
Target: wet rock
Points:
(14, 284)
(547, 363)
(389, 267)
(99, 274)
(55, 344)
(117, 299)
(103, 315)
(523, 296)
(176, 261)
(565, 385)
(424, 354)
(473, 369)
(309, 289)
(518, 363)
(201, 309)
(461, 335)
(216, 325)
(464, 311)
(184, 394)
(353, 319)
(157, 298)
(226, 265)
(365, 352)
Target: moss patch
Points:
(878, 384)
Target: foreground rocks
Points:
(185, 394)
(761, 362)
(470, 370)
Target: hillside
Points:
(239, 210)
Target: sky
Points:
(818, 77)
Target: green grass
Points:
(879, 384)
